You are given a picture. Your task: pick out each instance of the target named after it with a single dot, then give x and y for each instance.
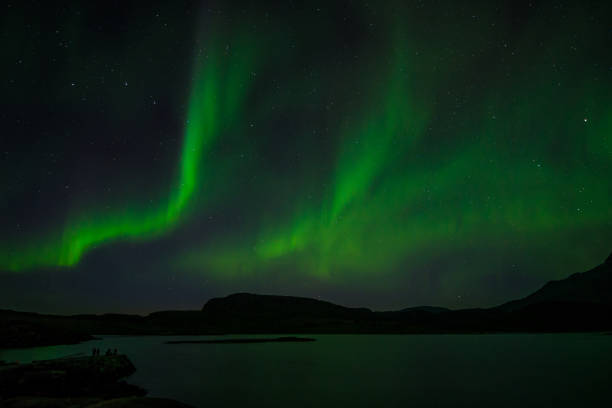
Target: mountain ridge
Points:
(580, 302)
(592, 286)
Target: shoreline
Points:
(89, 381)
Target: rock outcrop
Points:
(83, 376)
(129, 402)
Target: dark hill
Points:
(429, 309)
(592, 287)
(251, 313)
(248, 304)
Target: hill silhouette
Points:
(430, 309)
(581, 302)
(250, 304)
(593, 286)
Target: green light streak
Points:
(424, 161)
(218, 90)
(398, 197)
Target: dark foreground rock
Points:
(70, 377)
(75, 383)
(131, 402)
(48, 402)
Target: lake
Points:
(495, 370)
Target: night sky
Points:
(377, 154)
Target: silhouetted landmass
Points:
(248, 304)
(127, 402)
(93, 381)
(594, 286)
(250, 313)
(82, 376)
(243, 341)
(430, 309)
(32, 329)
(582, 302)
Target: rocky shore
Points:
(128, 402)
(93, 381)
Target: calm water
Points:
(550, 370)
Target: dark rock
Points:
(83, 376)
(141, 403)
(131, 402)
(30, 329)
(429, 309)
(48, 402)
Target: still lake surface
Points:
(496, 370)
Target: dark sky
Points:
(382, 155)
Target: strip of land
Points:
(242, 341)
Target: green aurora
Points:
(390, 199)
(214, 101)
(398, 154)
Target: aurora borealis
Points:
(210, 88)
(380, 155)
